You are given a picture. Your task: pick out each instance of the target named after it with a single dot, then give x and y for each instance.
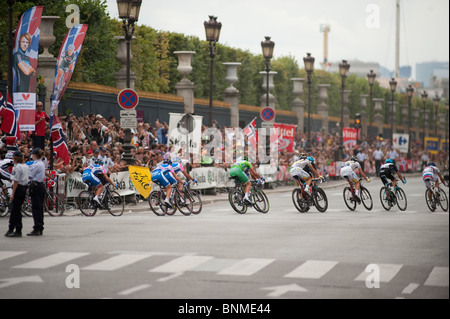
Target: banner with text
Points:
(350, 136)
(284, 137)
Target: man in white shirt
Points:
(378, 157)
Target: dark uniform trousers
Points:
(37, 192)
(15, 219)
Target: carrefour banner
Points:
(24, 66)
(67, 58)
(401, 142)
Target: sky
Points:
(360, 29)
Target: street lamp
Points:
(409, 94)
(371, 78)
(393, 87)
(267, 48)
(309, 67)
(424, 101)
(212, 30)
(129, 13)
(343, 70)
(10, 45)
(436, 100)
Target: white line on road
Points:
(8, 254)
(246, 267)
(438, 277)
(133, 290)
(182, 264)
(51, 261)
(312, 269)
(410, 288)
(116, 262)
(387, 272)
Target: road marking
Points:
(312, 269)
(9, 254)
(133, 290)
(171, 276)
(438, 277)
(116, 262)
(281, 290)
(215, 265)
(18, 280)
(182, 264)
(246, 267)
(387, 272)
(51, 261)
(410, 288)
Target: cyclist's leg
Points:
(427, 182)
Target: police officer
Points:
(37, 191)
(19, 177)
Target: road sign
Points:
(128, 113)
(128, 122)
(128, 99)
(267, 114)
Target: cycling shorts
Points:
(297, 172)
(347, 172)
(385, 174)
(163, 179)
(90, 179)
(237, 173)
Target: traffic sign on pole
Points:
(128, 99)
(267, 114)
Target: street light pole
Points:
(212, 30)
(424, 100)
(371, 78)
(309, 67)
(393, 86)
(343, 69)
(267, 48)
(436, 100)
(409, 94)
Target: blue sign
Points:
(128, 99)
(267, 114)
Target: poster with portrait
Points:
(24, 66)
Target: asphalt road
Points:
(220, 254)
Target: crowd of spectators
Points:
(92, 134)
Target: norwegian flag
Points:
(59, 141)
(403, 164)
(250, 132)
(10, 115)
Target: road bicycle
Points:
(303, 200)
(109, 200)
(195, 196)
(258, 198)
(390, 197)
(435, 197)
(351, 200)
(5, 199)
(182, 202)
(53, 204)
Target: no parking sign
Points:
(128, 99)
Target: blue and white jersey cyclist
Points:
(95, 175)
(165, 176)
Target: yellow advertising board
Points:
(141, 179)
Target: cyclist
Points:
(178, 167)
(388, 170)
(348, 171)
(95, 175)
(430, 174)
(164, 176)
(6, 167)
(301, 170)
(241, 171)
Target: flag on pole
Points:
(59, 141)
(10, 116)
(250, 132)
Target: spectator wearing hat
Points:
(95, 159)
(37, 191)
(107, 161)
(19, 177)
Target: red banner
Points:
(350, 136)
(284, 137)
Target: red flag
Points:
(250, 132)
(10, 115)
(59, 141)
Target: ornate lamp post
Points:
(212, 30)
(267, 48)
(309, 67)
(436, 100)
(343, 70)
(424, 101)
(129, 13)
(393, 87)
(371, 78)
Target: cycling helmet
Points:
(244, 158)
(389, 161)
(354, 158)
(9, 155)
(167, 161)
(311, 159)
(432, 164)
(303, 155)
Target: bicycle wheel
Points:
(53, 205)
(156, 205)
(429, 199)
(261, 202)
(443, 201)
(85, 204)
(385, 198)
(114, 203)
(300, 204)
(320, 200)
(348, 199)
(196, 202)
(366, 198)
(4, 204)
(26, 206)
(401, 199)
(236, 199)
(185, 207)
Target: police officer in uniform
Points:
(37, 191)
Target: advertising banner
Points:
(284, 137)
(432, 145)
(350, 136)
(141, 178)
(401, 142)
(185, 132)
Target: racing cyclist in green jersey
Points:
(240, 171)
